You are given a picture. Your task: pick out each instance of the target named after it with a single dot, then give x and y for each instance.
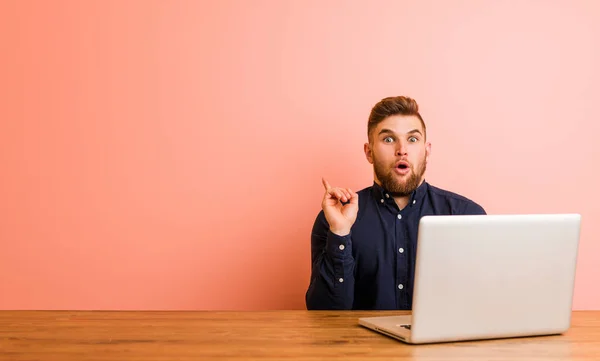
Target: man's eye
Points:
(388, 139)
(412, 139)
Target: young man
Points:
(363, 244)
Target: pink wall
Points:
(168, 155)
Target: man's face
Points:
(399, 154)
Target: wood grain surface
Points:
(272, 335)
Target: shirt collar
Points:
(382, 195)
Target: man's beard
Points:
(399, 188)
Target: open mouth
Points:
(402, 166)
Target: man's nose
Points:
(401, 148)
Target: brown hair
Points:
(393, 106)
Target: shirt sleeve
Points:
(473, 208)
(332, 269)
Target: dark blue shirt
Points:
(372, 268)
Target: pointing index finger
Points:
(326, 184)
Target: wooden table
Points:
(298, 335)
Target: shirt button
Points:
(387, 195)
(400, 286)
(341, 280)
(381, 200)
(399, 216)
(342, 247)
(414, 201)
(401, 250)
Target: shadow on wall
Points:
(270, 263)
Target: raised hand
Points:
(340, 216)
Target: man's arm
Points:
(473, 208)
(332, 275)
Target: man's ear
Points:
(427, 150)
(368, 153)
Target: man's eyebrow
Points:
(386, 131)
(415, 131)
(389, 131)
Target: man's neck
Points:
(401, 202)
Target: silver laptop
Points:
(489, 276)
